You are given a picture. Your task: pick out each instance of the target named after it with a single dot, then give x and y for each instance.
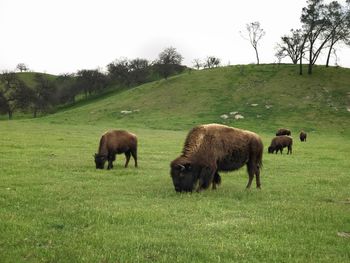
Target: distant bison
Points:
(116, 142)
(280, 142)
(283, 131)
(302, 136)
(212, 148)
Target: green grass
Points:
(56, 207)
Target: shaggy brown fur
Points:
(116, 142)
(283, 131)
(302, 136)
(280, 142)
(212, 148)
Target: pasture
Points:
(56, 207)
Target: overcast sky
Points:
(63, 36)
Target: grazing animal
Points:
(116, 142)
(302, 136)
(211, 148)
(280, 142)
(283, 131)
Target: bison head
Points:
(184, 177)
(100, 161)
(271, 149)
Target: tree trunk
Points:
(10, 114)
(257, 55)
(301, 66)
(329, 55)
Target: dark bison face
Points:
(183, 177)
(270, 149)
(100, 161)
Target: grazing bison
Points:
(302, 136)
(283, 131)
(116, 142)
(212, 148)
(279, 142)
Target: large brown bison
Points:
(302, 136)
(280, 142)
(116, 142)
(212, 148)
(283, 131)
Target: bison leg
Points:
(289, 150)
(216, 180)
(257, 177)
(205, 178)
(251, 170)
(111, 157)
(134, 155)
(127, 156)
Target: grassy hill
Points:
(267, 96)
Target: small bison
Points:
(211, 148)
(302, 136)
(280, 142)
(116, 142)
(283, 131)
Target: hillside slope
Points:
(267, 96)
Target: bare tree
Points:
(290, 46)
(253, 35)
(197, 63)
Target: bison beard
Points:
(212, 148)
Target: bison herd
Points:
(208, 150)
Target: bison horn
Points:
(181, 167)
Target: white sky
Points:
(63, 36)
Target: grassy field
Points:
(56, 207)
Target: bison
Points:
(280, 142)
(116, 142)
(302, 136)
(283, 131)
(211, 148)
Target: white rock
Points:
(224, 116)
(126, 111)
(239, 116)
(254, 105)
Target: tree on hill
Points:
(169, 62)
(138, 71)
(339, 26)
(212, 62)
(254, 34)
(14, 93)
(315, 21)
(197, 63)
(66, 90)
(290, 46)
(118, 71)
(42, 95)
(22, 67)
(90, 81)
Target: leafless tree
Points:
(253, 35)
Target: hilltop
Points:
(267, 96)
